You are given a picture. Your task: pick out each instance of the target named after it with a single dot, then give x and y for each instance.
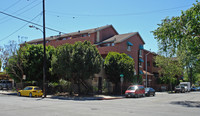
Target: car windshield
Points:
(178, 86)
(147, 89)
(132, 88)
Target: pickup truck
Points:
(5, 84)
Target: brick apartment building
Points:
(107, 39)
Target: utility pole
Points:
(146, 66)
(44, 44)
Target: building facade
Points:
(107, 39)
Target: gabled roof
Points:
(120, 38)
(72, 34)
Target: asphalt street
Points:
(163, 104)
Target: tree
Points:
(34, 61)
(169, 68)
(7, 51)
(29, 61)
(16, 66)
(180, 36)
(116, 64)
(62, 61)
(77, 62)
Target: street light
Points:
(146, 65)
(32, 26)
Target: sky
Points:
(73, 15)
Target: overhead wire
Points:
(29, 22)
(12, 5)
(20, 28)
(20, 10)
(108, 15)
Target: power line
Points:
(19, 28)
(30, 22)
(125, 14)
(20, 10)
(12, 5)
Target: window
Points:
(140, 53)
(108, 44)
(30, 88)
(154, 64)
(84, 35)
(148, 63)
(140, 64)
(128, 48)
(113, 44)
(129, 44)
(64, 38)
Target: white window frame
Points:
(113, 44)
(128, 48)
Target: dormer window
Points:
(108, 44)
(84, 35)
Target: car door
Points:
(23, 92)
(29, 90)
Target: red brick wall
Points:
(136, 41)
(107, 33)
(70, 41)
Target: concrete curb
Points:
(101, 97)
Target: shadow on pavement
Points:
(77, 98)
(193, 104)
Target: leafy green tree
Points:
(29, 61)
(16, 65)
(180, 36)
(77, 62)
(62, 61)
(34, 66)
(170, 68)
(116, 64)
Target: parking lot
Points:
(163, 104)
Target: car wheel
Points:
(30, 94)
(19, 93)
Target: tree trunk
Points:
(116, 89)
(79, 87)
(191, 79)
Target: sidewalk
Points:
(96, 97)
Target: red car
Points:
(135, 91)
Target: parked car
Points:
(5, 84)
(149, 91)
(135, 91)
(186, 85)
(31, 91)
(180, 89)
(193, 88)
(198, 88)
